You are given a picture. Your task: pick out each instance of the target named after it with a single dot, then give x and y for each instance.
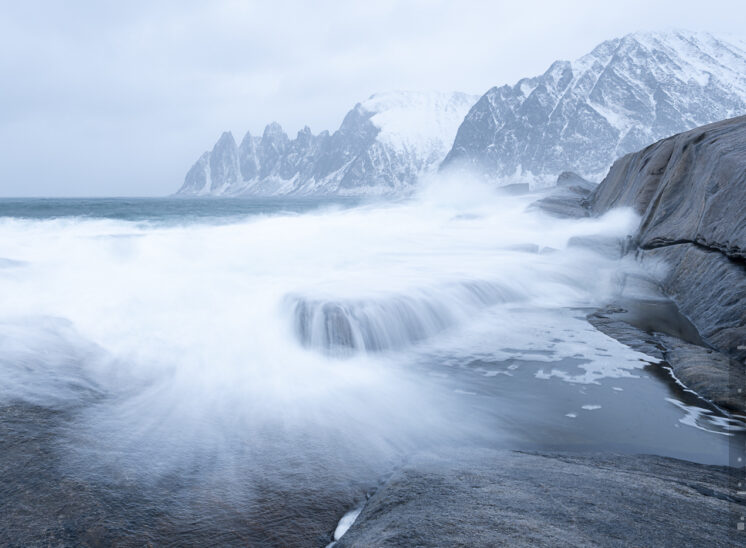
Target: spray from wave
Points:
(276, 350)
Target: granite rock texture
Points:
(486, 497)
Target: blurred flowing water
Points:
(243, 371)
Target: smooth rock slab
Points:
(567, 199)
(690, 191)
(688, 188)
(711, 374)
(488, 497)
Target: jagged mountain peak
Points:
(383, 145)
(272, 130)
(581, 115)
(577, 115)
(226, 139)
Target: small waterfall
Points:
(372, 325)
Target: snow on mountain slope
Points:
(622, 96)
(383, 146)
(422, 123)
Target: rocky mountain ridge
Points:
(383, 146)
(581, 116)
(578, 116)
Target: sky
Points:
(104, 98)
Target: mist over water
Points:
(295, 352)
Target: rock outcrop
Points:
(486, 497)
(690, 190)
(568, 197)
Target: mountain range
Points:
(383, 146)
(578, 116)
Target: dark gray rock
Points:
(711, 374)
(690, 190)
(568, 198)
(44, 502)
(573, 181)
(581, 116)
(507, 498)
(710, 289)
(707, 372)
(612, 321)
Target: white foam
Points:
(704, 419)
(183, 335)
(346, 522)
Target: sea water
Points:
(246, 370)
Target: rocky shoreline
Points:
(690, 191)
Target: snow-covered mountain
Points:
(382, 147)
(581, 116)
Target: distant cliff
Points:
(578, 116)
(383, 146)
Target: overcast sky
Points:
(120, 98)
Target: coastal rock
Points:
(568, 198)
(711, 374)
(486, 497)
(690, 190)
(710, 289)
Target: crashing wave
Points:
(390, 323)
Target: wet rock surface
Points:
(568, 199)
(487, 497)
(707, 372)
(691, 192)
(689, 188)
(43, 503)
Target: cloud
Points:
(119, 98)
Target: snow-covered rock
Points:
(383, 146)
(580, 116)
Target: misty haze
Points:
(413, 274)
